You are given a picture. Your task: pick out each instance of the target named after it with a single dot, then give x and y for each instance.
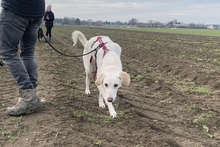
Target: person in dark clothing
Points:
(49, 18)
(19, 23)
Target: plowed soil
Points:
(172, 101)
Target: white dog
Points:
(109, 74)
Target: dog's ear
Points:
(125, 78)
(99, 79)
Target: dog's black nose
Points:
(110, 99)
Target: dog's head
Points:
(109, 84)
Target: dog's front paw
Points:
(87, 92)
(113, 114)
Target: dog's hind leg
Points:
(88, 69)
(87, 91)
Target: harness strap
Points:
(97, 39)
(101, 45)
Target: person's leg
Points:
(27, 46)
(49, 32)
(12, 28)
(50, 28)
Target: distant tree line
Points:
(77, 21)
(132, 22)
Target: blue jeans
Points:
(19, 31)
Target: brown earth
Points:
(172, 101)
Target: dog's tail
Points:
(77, 34)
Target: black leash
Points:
(69, 55)
(2, 64)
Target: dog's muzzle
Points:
(110, 99)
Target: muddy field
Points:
(172, 101)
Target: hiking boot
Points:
(29, 101)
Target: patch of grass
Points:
(217, 50)
(191, 107)
(182, 56)
(197, 59)
(202, 90)
(211, 114)
(98, 143)
(214, 61)
(206, 71)
(79, 114)
(149, 69)
(83, 115)
(168, 93)
(203, 120)
(137, 77)
(206, 128)
(159, 78)
(2, 105)
(8, 135)
(106, 119)
(138, 45)
(203, 32)
(70, 84)
(73, 95)
(148, 47)
(200, 120)
(3, 132)
(17, 120)
(143, 46)
(124, 115)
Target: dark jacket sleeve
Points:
(52, 16)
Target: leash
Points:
(2, 64)
(69, 55)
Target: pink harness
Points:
(101, 45)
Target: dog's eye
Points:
(116, 85)
(106, 85)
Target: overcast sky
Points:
(187, 11)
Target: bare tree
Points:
(90, 21)
(133, 21)
(77, 22)
(156, 24)
(192, 25)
